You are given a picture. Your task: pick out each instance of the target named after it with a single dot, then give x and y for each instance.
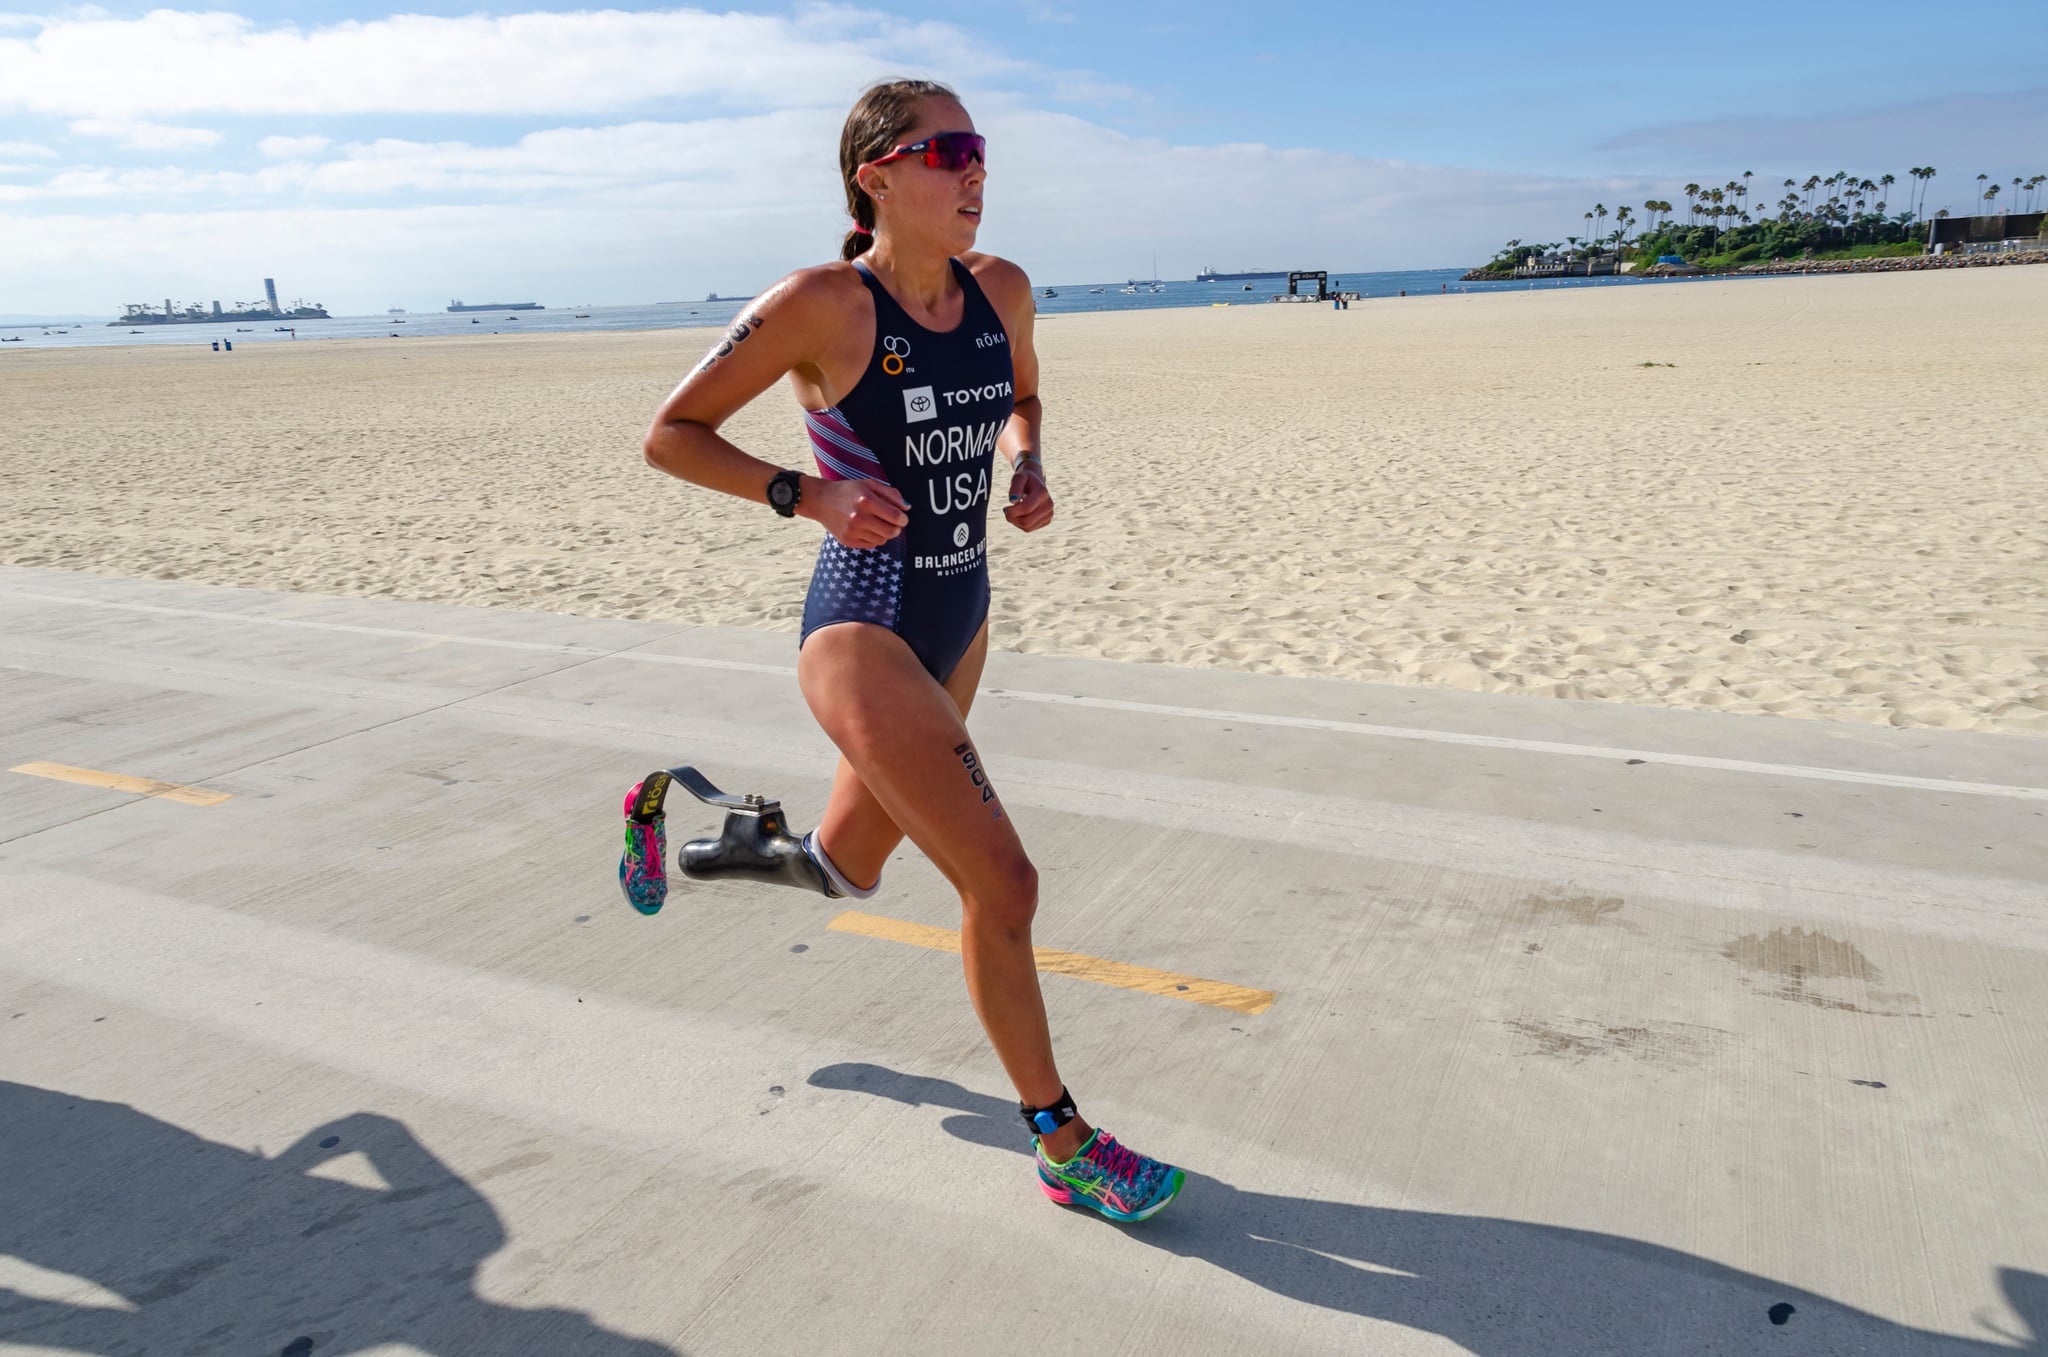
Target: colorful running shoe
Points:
(1122, 1184)
(642, 874)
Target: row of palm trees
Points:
(1818, 212)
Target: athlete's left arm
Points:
(1009, 291)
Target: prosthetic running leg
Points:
(753, 844)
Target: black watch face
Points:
(781, 493)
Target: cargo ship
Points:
(460, 305)
(1211, 276)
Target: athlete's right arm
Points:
(790, 328)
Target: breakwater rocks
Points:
(1907, 264)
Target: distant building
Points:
(1980, 235)
(1566, 266)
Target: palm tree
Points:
(1926, 178)
(1990, 194)
(1692, 192)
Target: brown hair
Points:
(880, 119)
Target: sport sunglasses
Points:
(946, 151)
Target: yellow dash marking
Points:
(1144, 979)
(141, 786)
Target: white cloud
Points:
(145, 136)
(293, 148)
(644, 210)
(169, 61)
(28, 150)
(668, 202)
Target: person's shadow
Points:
(200, 1247)
(1500, 1288)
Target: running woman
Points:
(912, 359)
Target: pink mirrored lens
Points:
(954, 150)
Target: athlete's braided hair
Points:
(880, 119)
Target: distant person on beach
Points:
(913, 363)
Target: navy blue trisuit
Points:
(924, 417)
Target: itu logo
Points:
(895, 349)
(919, 404)
(960, 535)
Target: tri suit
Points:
(924, 417)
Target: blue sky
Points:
(375, 159)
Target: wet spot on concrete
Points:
(298, 1347)
(1799, 955)
(330, 1142)
(1632, 762)
(583, 918)
(1583, 909)
(1796, 959)
(1868, 1083)
(1782, 1311)
(801, 947)
(1669, 1045)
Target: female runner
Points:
(913, 362)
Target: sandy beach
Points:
(1828, 498)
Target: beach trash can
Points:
(216, 346)
(228, 344)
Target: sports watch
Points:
(785, 492)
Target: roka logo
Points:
(895, 349)
(960, 535)
(919, 404)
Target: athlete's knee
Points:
(1004, 897)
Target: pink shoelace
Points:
(1114, 1158)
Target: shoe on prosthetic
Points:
(753, 844)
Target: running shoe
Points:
(642, 875)
(1122, 1184)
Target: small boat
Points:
(1159, 287)
(511, 318)
(1093, 290)
(1247, 287)
(1128, 291)
(583, 315)
(1048, 293)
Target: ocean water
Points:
(1071, 298)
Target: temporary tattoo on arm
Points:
(736, 336)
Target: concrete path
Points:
(1595, 1029)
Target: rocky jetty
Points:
(1906, 264)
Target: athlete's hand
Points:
(1030, 506)
(862, 513)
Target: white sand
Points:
(1834, 505)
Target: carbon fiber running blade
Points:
(699, 786)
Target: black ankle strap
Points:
(1046, 1120)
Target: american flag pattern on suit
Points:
(841, 454)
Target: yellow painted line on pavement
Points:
(1144, 979)
(120, 782)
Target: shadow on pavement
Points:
(219, 1250)
(1500, 1288)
